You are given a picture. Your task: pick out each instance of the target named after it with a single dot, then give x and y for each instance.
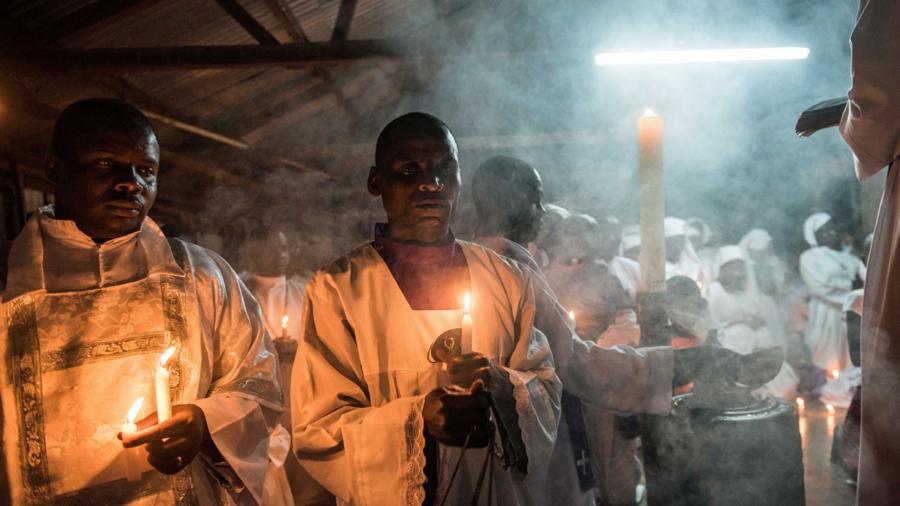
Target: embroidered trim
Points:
(26, 381)
(263, 389)
(415, 455)
(122, 491)
(80, 354)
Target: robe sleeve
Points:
(244, 401)
(536, 387)
(820, 281)
(871, 122)
(617, 378)
(361, 453)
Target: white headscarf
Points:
(727, 254)
(674, 227)
(689, 263)
(755, 240)
(812, 225)
(697, 227)
(631, 237)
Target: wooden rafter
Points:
(149, 59)
(342, 22)
(82, 19)
(282, 11)
(248, 22)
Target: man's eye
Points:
(409, 169)
(104, 163)
(146, 171)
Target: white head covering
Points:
(674, 227)
(812, 225)
(631, 237)
(697, 227)
(755, 240)
(727, 254)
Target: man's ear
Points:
(51, 167)
(374, 183)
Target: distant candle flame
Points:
(166, 356)
(572, 315)
(467, 303)
(800, 402)
(648, 113)
(835, 373)
(132, 413)
(284, 321)
(830, 409)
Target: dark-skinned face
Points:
(674, 247)
(270, 255)
(828, 236)
(733, 276)
(608, 239)
(419, 186)
(529, 211)
(108, 184)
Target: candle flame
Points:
(648, 113)
(467, 303)
(800, 402)
(572, 315)
(835, 373)
(284, 321)
(830, 409)
(166, 355)
(133, 411)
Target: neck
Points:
(437, 236)
(488, 229)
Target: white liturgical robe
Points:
(362, 373)
(84, 325)
(871, 127)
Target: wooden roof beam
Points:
(282, 11)
(150, 59)
(248, 22)
(342, 22)
(82, 19)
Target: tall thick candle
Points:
(132, 455)
(466, 325)
(163, 401)
(653, 203)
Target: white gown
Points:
(871, 127)
(83, 328)
(829, 276)
(362, 373)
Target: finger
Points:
(171, 448)
(169, 428)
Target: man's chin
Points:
(116, 226)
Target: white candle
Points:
(653, 204)
(466, 326)
(132, 455)
(163, 401)
(284, 324)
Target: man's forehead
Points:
(143, 143)
(413, 144)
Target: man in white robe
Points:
(747, 320)
(767, 269)
(871, 127)
(95, 295)
(830, 275)
(281, 300)
(373, 415)
(681, 259)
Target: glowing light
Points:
(830, 409)
(133, 411)
(467, 303)
(700, 56)
(835, 373)
(572, 315)
(648, 113)
(166, 356)
(800, 404)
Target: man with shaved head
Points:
(96, 296)
(377, 420)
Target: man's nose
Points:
(431, 183)
(129, 180)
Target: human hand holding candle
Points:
(163, 400)
(172, 444)
(132, 455)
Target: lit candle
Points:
(652, 203)
(163, 401)
(284, 323)
(830, 409)
(835, 373)
(572, 316)
(466, 325)
(132, 455)
(801, 405)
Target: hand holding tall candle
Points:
(163, 400)
(132, 455)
